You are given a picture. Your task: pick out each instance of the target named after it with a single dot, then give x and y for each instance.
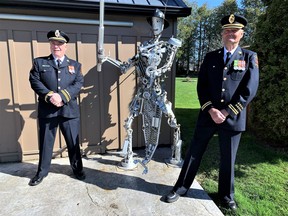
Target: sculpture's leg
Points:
(175, 158)
(128, 162)
(151, 116)
(166, 107)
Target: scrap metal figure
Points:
(153, 60)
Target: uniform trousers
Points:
(70, 129)
(229, 142)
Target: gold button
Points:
(225, 68)
(225, 78)
(223, 90)
(222, 100)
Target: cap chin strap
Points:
(58, 39)
(233, 26)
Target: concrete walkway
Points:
(107, 189)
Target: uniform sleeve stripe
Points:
(234, 110)
(240, 105)
(66, 94)
(206, 104)
(46, 96)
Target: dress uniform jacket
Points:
(67, 80)
(230, 87)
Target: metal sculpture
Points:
(152, 61)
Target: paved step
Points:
(107, 189)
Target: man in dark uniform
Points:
(57, 81)
(228, 81)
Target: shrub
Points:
(270, 107)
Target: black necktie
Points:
(228, 55)
(58, 62)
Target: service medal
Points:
(239, 65)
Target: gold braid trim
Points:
(206, 104)
(66, 94)
(240, 105)
(235, 111)
(47, 95)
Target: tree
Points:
(251, 9)
(202, 35)
(186, 27)
(192, 31)
(270, 107)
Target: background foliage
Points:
(271, 105)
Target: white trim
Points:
(63, 20)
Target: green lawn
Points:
(261, 173)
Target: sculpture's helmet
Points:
(158, 22)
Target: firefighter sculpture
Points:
(152, 61)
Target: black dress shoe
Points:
(232, 205)
(80, 175)
(229, 205)
(174, 196)
(35, 180)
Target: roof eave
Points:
(93, 7)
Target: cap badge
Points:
(57, 33)
(231, 18)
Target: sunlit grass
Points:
(186, 93)
(261, 173)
